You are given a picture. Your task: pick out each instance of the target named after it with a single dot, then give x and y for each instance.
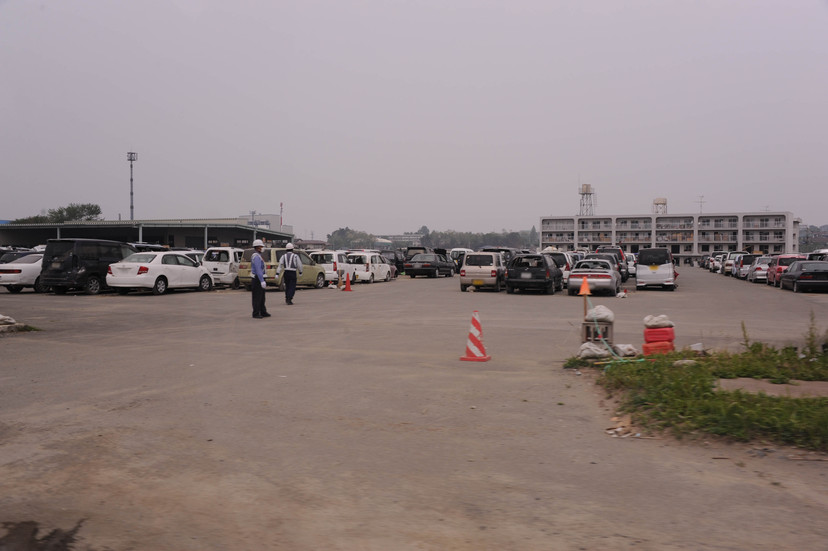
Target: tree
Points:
(346, 238)
(74, 212)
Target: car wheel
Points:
(436, 273)
(796, 287)
(498, 286)
(412, 276)
(236, 284)
(463, 288)
(38, 287)
(14, 289)
(451, 273)
(160, 286)
(205, 283)
(93, 286)
(122, 290)
(371, 279)
(571, 292)
(320, 281)
(509, 289)
(388, 276)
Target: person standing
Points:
(257, 282)
(291, 265)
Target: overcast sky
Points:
(384, 116)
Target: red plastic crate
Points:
(661, 347)
(659, 334)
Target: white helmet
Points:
(258, 243)
(289, 246)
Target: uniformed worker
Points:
(291, 265)
(257, 281)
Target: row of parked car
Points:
(796, 271)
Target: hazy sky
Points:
(384, 116)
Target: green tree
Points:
(71, 213)
(346, 238)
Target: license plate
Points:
(526, 275)
(653, 268)
(477, 282)
(56, 265)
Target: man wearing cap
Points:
(290, 263)
(257, 281)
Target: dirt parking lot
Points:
(348, 422)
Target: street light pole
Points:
(131, 157)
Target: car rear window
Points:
(527, 262)
(787, 261)
(479, 260)
(653, 257)
(141, 257)
(323, 258)
(28, 259)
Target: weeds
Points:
(685, 400)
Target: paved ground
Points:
(348, 422)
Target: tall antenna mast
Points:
(701, 201)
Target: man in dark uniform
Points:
(291, 265)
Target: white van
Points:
(655, 268)
(223, 265)
(336, 264)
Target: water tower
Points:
(587, 199)
(660, 205)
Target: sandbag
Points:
(625, 350)
(600, 313)
(590, 351)
(658, 321)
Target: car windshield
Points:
(787, 261)
(28, 259)
(653, 257)
(479, 260)
(140, 257)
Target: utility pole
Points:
(131, 157)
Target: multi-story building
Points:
(688, 236)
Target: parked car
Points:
(715, 264)
(457, 254)
(411, 251)
(392, 265)
(805, 275)
(397, 257)
(336, 265)
(727, 263)
(600, 275)
(313, 275)
(76, 263)
(506, 252)
(622, 259)
(741, 265)
(611, 258)
(430, 265)
(563, 260)
(22, 272)
(655, 268)
(758, 269)
(483, 270)
(158, 271)
(223, 265)
(370, 267)
(779, 264)
(533, 271)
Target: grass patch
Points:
(684, 400)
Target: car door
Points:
(379, 267)
(171, 269)
(308, 276)
(189, 271)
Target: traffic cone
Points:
(584, 287)
(475, 351)
(347, 282)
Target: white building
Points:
(686, 235)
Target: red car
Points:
(779, 264)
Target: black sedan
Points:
(429, 264)
(533, 271)
(805, 275)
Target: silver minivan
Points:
(655, 268)
(223, 265)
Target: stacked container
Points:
(658, 340)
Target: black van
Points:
(76, 263)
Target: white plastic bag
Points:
(657, 321)
(600, 313)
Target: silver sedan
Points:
(599, 274)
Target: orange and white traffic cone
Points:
(584, 290)
(475, 351)
(347, 282)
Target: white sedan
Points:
(158, 271)
(22, 272)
